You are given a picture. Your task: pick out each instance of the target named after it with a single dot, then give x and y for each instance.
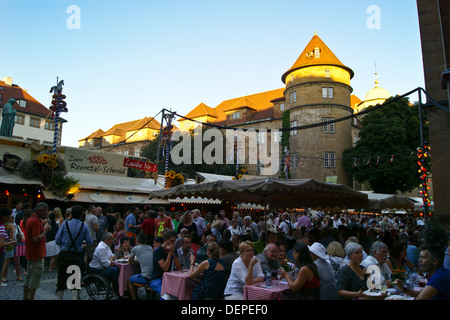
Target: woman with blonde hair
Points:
(213, 283)
(58, 216)
(336, 256)
(245, 270)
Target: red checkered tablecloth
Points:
(126, 270)
(260, 291)
(178, 284)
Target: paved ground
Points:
(46, 290)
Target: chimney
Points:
(8, 81)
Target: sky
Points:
(125, 60)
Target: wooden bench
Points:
(150, 294)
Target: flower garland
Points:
(48, 160)
(398, 273)
(240, 173)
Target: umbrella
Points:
(276, 193)
(382, 201)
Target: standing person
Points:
(92, 223)
(199, 221)
(51, 247)
(251, 226)
(186, 223)
(131, 225)
(162, 259)
(102, 223)
(70, 238)
(18, 208)
(148, 226)
(5, 240)
(162, 222)
(111, 219)
(35, 250)
(304, 221)
(119, 233)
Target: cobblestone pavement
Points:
(46, 290)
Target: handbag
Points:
(19, 234)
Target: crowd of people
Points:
(321, 256)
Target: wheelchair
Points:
(97, 286)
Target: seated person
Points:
(213, 282)
(438, 286)
(378, 257)
(102, 261)
(182, 256)
(201, 253)
(245, 270)
(227, 254)
(142, 253)
(162, 259)
(351, 280)
(124, 250)
(269, 260)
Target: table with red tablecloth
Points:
(259, 291)
(126, 270)
(179, 284)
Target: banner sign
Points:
(141, 165)
(85, 161)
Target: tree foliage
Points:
(385, 155)
(187, 170)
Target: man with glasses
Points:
(378, 256)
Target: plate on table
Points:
(122, 260)
(399, 297)
(374, 295)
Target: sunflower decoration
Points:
(48, 159)
(174, 178)
(240, 172)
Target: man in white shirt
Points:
(103, 260)
(378, 257)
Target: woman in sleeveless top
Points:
(397, 257)
(213, 283)
(307, 283)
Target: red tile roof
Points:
(308, 58)
(33, 106)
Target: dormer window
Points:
(317, 52)
(22, 103)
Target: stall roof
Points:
(14, 177)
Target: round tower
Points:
(318, 91)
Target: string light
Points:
(423, 156)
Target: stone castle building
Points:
(317, 91)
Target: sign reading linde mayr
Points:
(141, 165)
(85, 161)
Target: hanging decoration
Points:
(423, 160)
(58, 106)
(173, 179)
(240, 171)
(166, 143)
(287, 163)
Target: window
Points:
(327, 73)
(282, 107)
(293, 125)
(137, 152)
(22, 103)
(236, 115)
(329, 159)
(328, 125)
(20, 119)
(327, 93)
(317, 52)
(125, 152)
(292, 97)
(49, 125)
(35, 122)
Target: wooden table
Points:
(260, 291)
(126, 270)
(179, 284)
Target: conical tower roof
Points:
(309, 58)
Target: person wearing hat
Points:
(327, 280)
